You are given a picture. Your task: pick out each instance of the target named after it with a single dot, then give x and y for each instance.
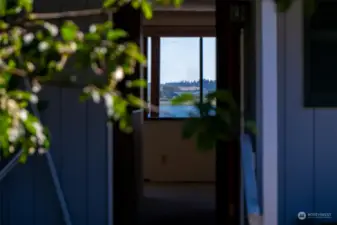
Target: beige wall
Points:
(166, 157)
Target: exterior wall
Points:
(79, 150)
(307, 136)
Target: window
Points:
(179, 65)
(320, 56)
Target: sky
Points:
(179, 59)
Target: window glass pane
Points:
(209, 64)
(323, 67)
(324, 17)
(320, 54)
(179, 73)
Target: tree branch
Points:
(70, 14)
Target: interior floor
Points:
(169, 204)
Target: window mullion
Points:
(201, 69)
(155, 74)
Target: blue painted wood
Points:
(21, 190)
(281, 119)
(47, 207)
(96, 167)
(5, 202)
(298, 185)
(74, 155)
(249, 176)
(27, 195)
(324, 165)
(79, 151)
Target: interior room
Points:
(179, 180)
(175, 182)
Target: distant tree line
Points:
(207, 84)
(171, 89)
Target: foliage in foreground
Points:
(218, 119)
(34, 51)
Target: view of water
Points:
(176, 111)
(179, 111)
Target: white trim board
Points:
(267, 106)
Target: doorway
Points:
(226, 190)
(179, 181)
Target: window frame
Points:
(313, 99)
(157, 32)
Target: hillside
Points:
(172, 89)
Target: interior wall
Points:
(169, 158)
(166, 157)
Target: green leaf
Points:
(183, 99)
(69, 31)
(204, 108)
(22, 95)
(26, 4)
(120, 105)
(225, 115)
(3, 7)
(4, 79)
(116, 34)
(124, 125)
(251, 126)
(134, 52)
(205, 141)
(23, 158)
(135, 4)
(108, 3)
(141, 83)
(190, 127)
(84, 96)
(46, 143)
(177, 3)
(222, 96)
(92, 37)
(147, 9)
(135, 101)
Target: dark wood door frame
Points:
(228, 169)
(124, 180)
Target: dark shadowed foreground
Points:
(178, 204)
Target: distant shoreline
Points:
(167, 102)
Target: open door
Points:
(230, 19)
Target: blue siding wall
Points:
(79, 150)
(308, 137)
